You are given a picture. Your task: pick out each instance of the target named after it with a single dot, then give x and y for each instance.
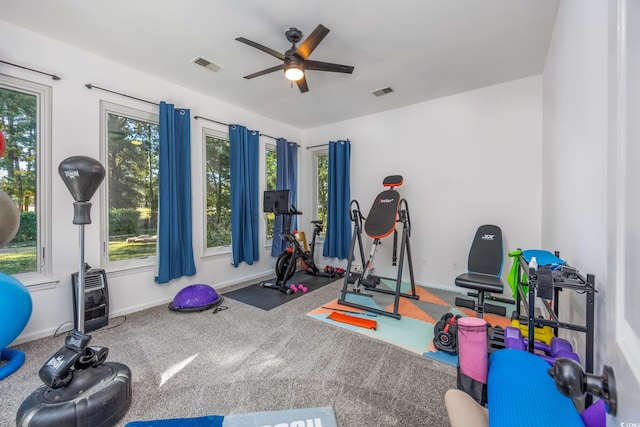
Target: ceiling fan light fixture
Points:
(296, 59)
(293, 73)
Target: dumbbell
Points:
(544, 334)
(495, 332)
(558, 348)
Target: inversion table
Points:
(387, 210)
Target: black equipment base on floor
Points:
(97, 397)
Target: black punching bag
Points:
(81, 389)
(82, 175)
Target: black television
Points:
(276, 201)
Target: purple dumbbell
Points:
(557, 345)
(561, 354)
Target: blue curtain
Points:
(337, 241)
(286, 179)
(175, 249)
(244, 194)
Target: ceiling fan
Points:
(296, 60)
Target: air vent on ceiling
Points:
(206, 64)
(383, 91)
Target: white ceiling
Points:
(423, 49)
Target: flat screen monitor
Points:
(276, 201)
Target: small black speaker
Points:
(96, 300)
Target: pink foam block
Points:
(472, 348)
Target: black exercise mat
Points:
(267, 298)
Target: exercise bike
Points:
(287, 261)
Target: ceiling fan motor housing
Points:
(293, 34)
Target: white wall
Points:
(467, 160)
(574, 176)
(76, 125)
(577, 186)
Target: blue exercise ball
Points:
(15, 309)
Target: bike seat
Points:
(316, 222)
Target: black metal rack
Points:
(565, 277)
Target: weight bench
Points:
(484, 268)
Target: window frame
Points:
(217, 250)
(317, 152)
(43, 94)
(107, 107)
(267, 147)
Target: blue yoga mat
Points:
(209, 421)
(322, 416)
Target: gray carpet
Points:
(245, 359)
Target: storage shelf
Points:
(564, 278)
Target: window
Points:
(218, 187)
(271, 162)
(130, 139)
(25, 110)
(321, 185)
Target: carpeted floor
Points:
(246, 359)
(415, 330)
(267, 298)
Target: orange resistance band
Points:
(353, 320)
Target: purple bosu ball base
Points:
(195, 298)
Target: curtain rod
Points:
(90, 86)
(53, 76)
(316, 146)
(226, 124)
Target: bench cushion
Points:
(480, 282)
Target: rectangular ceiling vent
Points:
(383, 91)
(206, 64)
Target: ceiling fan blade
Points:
(311, 42)
(302, 85)
(327, 66)
(267, 71)
(261, 47)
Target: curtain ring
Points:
(233, 127)
(181, 112)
